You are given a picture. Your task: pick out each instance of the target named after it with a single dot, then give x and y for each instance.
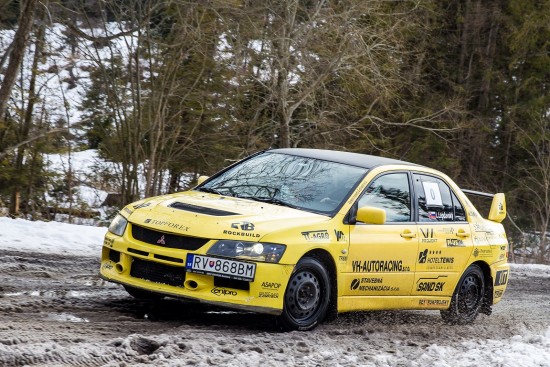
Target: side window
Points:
(436, 201)
(390, 192)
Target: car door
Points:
(382, 257)
(445, 240)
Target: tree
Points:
(17, 51)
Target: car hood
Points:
(199, 214)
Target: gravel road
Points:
(55, 311)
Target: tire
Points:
(467, 298)
(141, 293)
(307, 296)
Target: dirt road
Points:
(55, 311)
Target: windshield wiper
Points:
(211, 191)
(269, 200)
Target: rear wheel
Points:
(141, 293)
(467, 297)
(307, 296)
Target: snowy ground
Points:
(55, 311)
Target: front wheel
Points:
(307, 296)
(467, 297)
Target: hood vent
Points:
(200, 209)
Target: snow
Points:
(526, 349)
(50, 237)
(82, 163)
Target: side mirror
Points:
(371, 215)
(498, 208)
(201, 179)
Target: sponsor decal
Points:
(423, 258)
(108, 242)
(428, 234)
(378, 266)
(433, 302)
(430, 284)
(270, 285)
(127, 210)
(501, 277)
(268, 295)
(165, 223)
(498, 293)
(368, 285)
(340, 236)
(161, 240)
(447, 230)
(482, 228)
(444, 216)
(320, 235)
(222, 292)
(342, 258)
(481, 240)
(241, 234)
(483, 252)
(455, 242)
(359, 190)
(141, 205)
(243, 226)
(107, 266)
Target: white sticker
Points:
(433, 195)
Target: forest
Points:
(167, 90)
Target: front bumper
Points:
(162, 270)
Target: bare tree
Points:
(17, 51)
(27, 122)
(535, 177)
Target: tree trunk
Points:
(17, 51)
(27, 124)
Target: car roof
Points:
(354, 159)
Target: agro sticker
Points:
(433, 195)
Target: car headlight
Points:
(118, 225)
(259, 251)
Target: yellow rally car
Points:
(304, 234)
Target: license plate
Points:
(224, 268)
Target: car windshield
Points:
(298, 182)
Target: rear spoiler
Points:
(478, 193)
(498, 206)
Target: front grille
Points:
(158, 273)
(138, 252)
(167, 239)
(168, 258)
